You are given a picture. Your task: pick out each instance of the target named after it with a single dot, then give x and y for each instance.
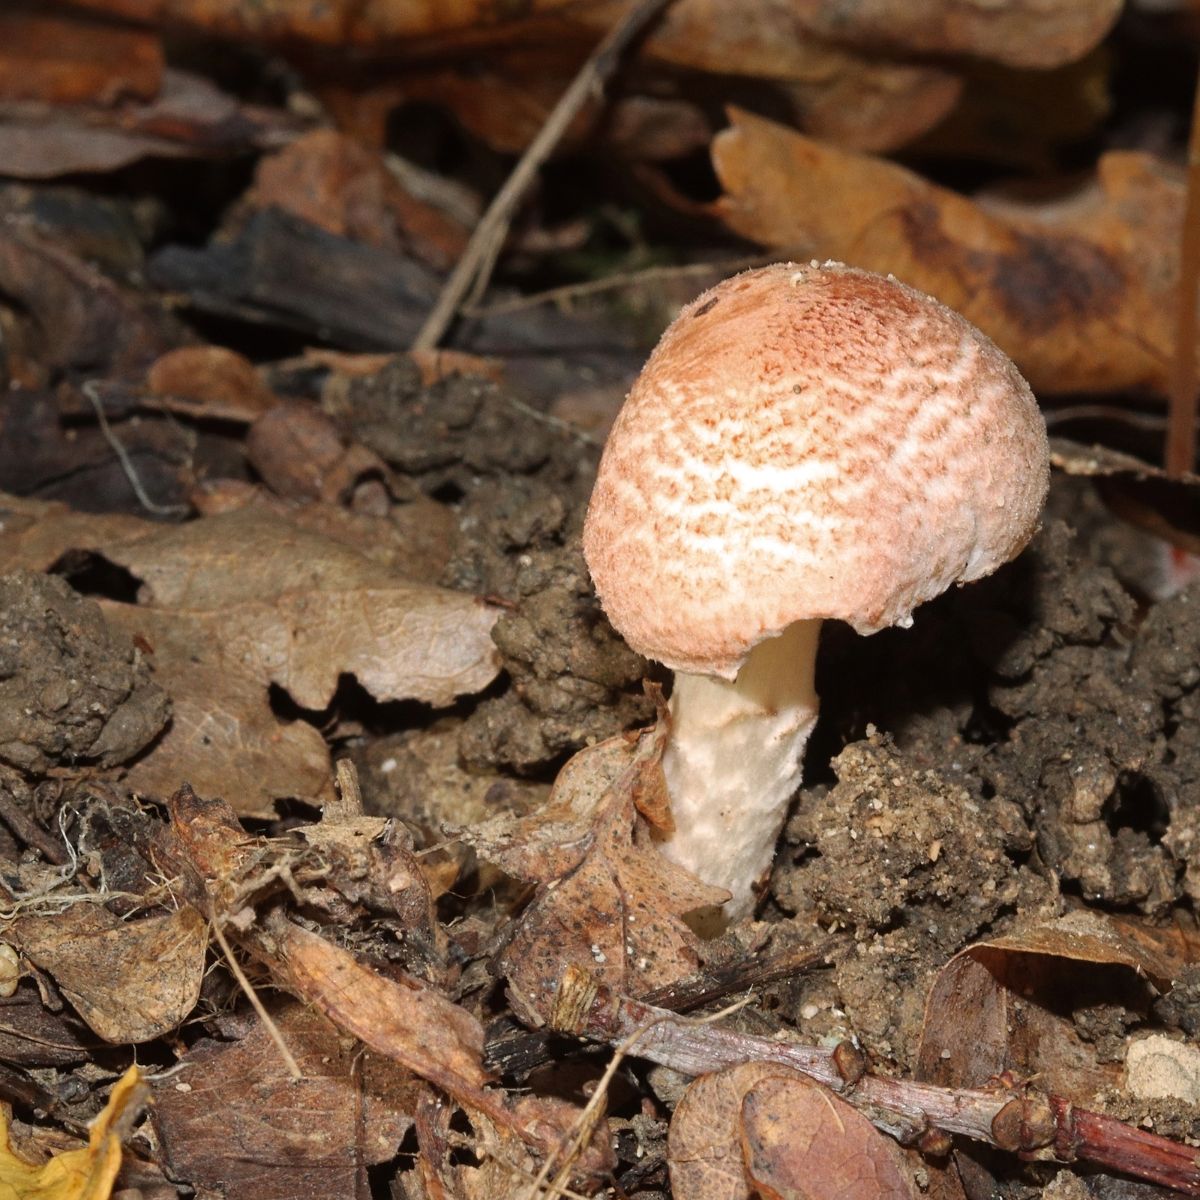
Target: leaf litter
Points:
(981, 912)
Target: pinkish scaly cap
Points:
(808, 441)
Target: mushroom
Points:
(805, 443)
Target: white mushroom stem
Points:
(733, 762)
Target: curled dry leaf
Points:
(867, 103)
(1006, 1005)
(763, 1130)
(607, 900)
(1080, 292)
(224, 738)
(85, 1174)
(348, 1111)
(298, 453)
(404, 1019)
(1139, 492)
(131, 981)
(210, 382)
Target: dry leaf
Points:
(1010, 31)
(404, 1019)
(35, 534)
(189, 117)
(72, 61)
(1006, 1005)
(300, 610)
(865, 102)
(131, 981)
(801, 1142)
(762, 1130)
(299, 454)
(237, 602)
(86, 1174)
(338, 184)
(608, 901)
(224, 739)
(232, 1119)
(1080, 292)
(210, 382)
(82, 319)
(704, 1148)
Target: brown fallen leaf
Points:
(408, 1022)
(85, 1174)
(210, 382)
(1080, 292)
(338, 184)
(763, 1130)
(234, 603)
(188, 117)
(1006, 1004)
(1021, 35)
(419, 1028)
(299, 610)
(298, 453)
(803, 1143)
(607, 899)
(82, 319)
(35, 534)
(131, 981)
(275, 1134)
(73, 60)
(224, 738)
(1163, 504)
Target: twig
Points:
(251, 992)
(623, 279)
(1155, 422)
(521, 1051)
(1181, 427)
(89, 390)
(489, 234)
(1016, 1119)
(29, 831)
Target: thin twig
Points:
(1181, 428)
(162, 510)
(489, 235)
(248, 988)
(29, 831)
(622, 280)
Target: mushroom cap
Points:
(808, 442)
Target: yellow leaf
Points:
(84, 1174)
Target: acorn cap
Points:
(808, 442)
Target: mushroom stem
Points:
(733, 763)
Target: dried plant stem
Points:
(256, 1003)
(489, 234)
(118, 448)
(1181, 425)
(625, 280)
(1017, 1119)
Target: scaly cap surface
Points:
(808, 441)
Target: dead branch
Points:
(481, 251)
(1011, 1116)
